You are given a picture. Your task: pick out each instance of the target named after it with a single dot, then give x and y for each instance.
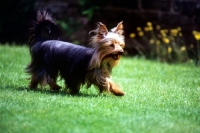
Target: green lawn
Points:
(160, 98)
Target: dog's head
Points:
(108, 46)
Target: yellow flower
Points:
(132, 35)
(151, 41)
(183, 48)
(149, 24)
(158, 27)
(196, 34)
(138, 28)
(174, 32)
(140, 33)
(146, 28)
(180, 34)
(179, 28)
(157, 42)
(163, 33)
(169, 49)
(166, 40)
(150, 28)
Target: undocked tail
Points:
(44, 22)
(35, 39)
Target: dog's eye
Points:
(112, 45)
(121, 45)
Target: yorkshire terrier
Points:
(77, 65)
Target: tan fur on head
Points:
(106, 43)
(108, 50)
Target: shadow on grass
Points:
(60, 92)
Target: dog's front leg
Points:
(112, 87)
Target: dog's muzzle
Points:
(117, 55)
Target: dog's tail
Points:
(35, 39)
(44, 22)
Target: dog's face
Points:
(112, 48)
(109, 45)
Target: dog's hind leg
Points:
(52, 83)
(34, 82)
(74, 90)
(74, 87)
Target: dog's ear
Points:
(102, 30)
(118, 29)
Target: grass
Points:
(160, 98)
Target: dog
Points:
(77, 65)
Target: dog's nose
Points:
(121, 52)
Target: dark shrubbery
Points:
(76, 18)
(15, 16)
